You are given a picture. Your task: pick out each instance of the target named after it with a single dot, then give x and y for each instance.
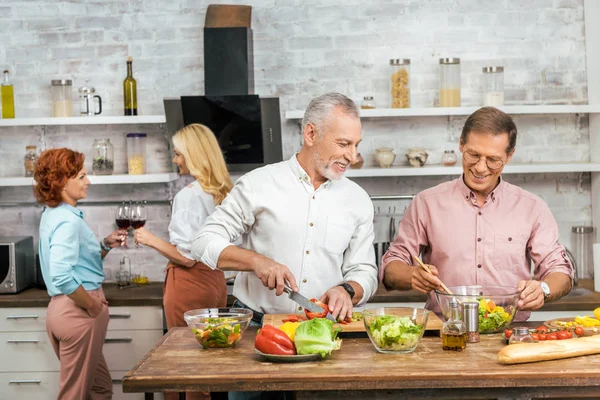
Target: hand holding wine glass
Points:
(122, 219)
(137, 217)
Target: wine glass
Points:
(122, 216)
(137, 217)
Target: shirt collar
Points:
(468, 194)
(301, 174)
(74, 210)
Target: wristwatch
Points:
(545, 289)
(348, 287)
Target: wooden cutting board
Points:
(434, 323)
(587, 331)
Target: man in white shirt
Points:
(301, 222)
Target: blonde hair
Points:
(203, 157)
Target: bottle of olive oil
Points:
(454, 331)
(8, 98)
(130, 90)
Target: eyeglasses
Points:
(492, 163)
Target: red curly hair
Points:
(52, 171)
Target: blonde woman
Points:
(190, 284)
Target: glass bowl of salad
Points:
(395, 329)
(497, 304)
(218, 327)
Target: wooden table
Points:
(177, 363)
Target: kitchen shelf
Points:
(96, 120)
(464, 111)
(439, 170)
(103, 179)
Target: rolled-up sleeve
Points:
(411, 237)
(64, 253)
(230, 220)
(359, 258)
(183, 227)
(548, 255)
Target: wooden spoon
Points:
(426, 268)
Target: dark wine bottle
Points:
(130, 90)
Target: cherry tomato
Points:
(542, 329)
(535, 336)
(508, 333)
(579, 331)
(542, 336)
(551, 336)
(562, 335)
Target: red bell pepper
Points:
(293, 318)
(312, 315)
(271, 340)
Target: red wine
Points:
(122, 223)
(138, 223)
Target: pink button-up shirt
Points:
(492, 245)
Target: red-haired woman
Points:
(71, 261)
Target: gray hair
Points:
(320, 108)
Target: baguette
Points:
(549, 350)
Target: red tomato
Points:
(579, 331)
(542, 329)
(535, 336)
(542, 336)
(551, 336)
(508, 333)
(562, 335)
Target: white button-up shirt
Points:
(324, 236)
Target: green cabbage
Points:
(317, 336)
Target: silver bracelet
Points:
(104, 246)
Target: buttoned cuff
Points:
(213, 250)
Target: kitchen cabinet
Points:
(29, 368)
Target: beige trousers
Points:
(77, 340)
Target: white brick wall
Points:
(302, 48)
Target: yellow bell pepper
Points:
(290, 329)
(587, 321)
(597, 313)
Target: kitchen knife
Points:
(306, 303)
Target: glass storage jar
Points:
(449, 82)
(368, 103)
(30, 159)
(400, 83)
(62, 97)
(136, 153)
(449, 158)
(103, 159)
(582, 239)
(520, 335)
(493, 86)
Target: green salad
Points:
(395, 333)
(220, 332)
(493, 318)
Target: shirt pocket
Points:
(509, 251)
(338, 235)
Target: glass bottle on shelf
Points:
(449, 82)
(449, 158)
(31, 158)
(102, 157)
(400, 83)
(454, 331)
(130, 90)
(8, 97)
(493, 86)
(368, 103)
(520, 335)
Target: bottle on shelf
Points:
(454, 331)
(8, 97)
(30, 160)
(130, 91)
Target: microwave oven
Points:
(17, 263)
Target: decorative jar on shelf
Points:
(102, 157)
(449, 158)
(384, 156)
(368, 103)
(417, 156)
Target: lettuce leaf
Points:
(317, 336)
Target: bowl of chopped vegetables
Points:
(497, 304)
(218, 327)
(395, 329)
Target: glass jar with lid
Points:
(102, 157)
(449, 82)
(62, 97)
(367, 103)
(31, 158)
(449, 158)
(136, 153)
(400, 83)
(520, 335)
(493, 86)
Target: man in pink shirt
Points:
(479, 229)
